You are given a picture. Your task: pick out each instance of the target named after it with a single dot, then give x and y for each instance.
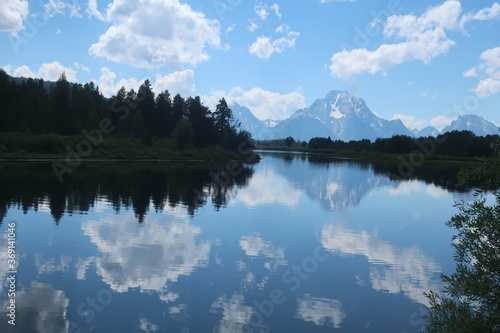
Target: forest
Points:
(45, 117)
(455, 143)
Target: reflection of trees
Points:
(131, 185)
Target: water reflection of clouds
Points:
(255, 246)
(393, 269)
(321, 311)
(4, 257)
(235, 314)
(42, 309)
(268, 188)
(145, 256)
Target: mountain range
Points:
(342, 116)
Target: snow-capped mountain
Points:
(346, 118)
(248, 122)
(473, 123)
(427, 131)
(341, 116)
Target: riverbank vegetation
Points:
(470, 299)
(455, 145)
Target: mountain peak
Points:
(473, 123)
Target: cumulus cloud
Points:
(264, 47)
(181, 82)
(264, 104)
(489, 71)
(12, 14)
(424, 38)
(155, 33)
(410, 121)
(441, 122)
(48, 71)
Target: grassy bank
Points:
(52, 146)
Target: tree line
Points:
(454, 143)
(34, 106)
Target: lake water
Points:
(294, 243)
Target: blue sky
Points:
(424, 62)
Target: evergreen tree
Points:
(223, 121)
(164, 107)
(200, 118)
(63, 119)
(178, 107)
(146, 101)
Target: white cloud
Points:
(440, 122)
(424, 39)
(264, 104)
(12, 14)
(48, 71)
(264, 46)
(487, 87)
(276, 8)
(52, 71)
(92, 10)
(262, 10)
(59, 7)
(80, 66)
(491, 13)
(253, 26)
(22, 71)
(155, 33)
(470, 73)
(181, 82)
(108, 86)
(489, 70)
(410, 121)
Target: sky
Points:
(424, 62)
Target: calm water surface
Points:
(295, 243)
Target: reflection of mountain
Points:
(321, 311)
(145, 256)
(42, 309)
(392, 269)
(131, 185)
(339, 183)
(335, 184)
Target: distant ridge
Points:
(342, 116)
